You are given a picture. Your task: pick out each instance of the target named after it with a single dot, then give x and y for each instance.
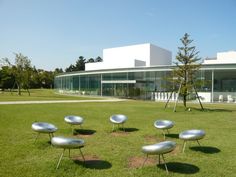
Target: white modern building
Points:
(141, 72)
(222, 58)
(142, 55)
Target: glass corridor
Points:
(210, 83)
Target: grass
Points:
(19, 156)
(39, 94)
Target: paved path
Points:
(59, 101)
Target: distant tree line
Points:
(80, 64)
(22, 75)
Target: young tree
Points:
(20, 71)
(187, 66)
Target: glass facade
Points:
(147, 83)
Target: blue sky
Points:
(54, 33)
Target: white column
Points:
(212, 86)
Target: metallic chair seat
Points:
(159, 149)
(191, 135)
(43, 127)
(74, 120)
(67, 143)
(118, 119)
(164, 125)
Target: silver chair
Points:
(74, 120)
(191, 135)
(118, 120)
(44, 127)
(164, 125)
(159, 149)
(67, 143)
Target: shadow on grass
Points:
(172, 135)
(124, 130)
(177, 167)
(84, 132)
(212, 110)
(205, 149)
(94, 164)
(130, 129)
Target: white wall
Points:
(205, 96)
(94, 66)
(223, 58)
(138, 63)
(124, 57)
(132, 56)
(159, 56)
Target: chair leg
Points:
(159, 159)
(164, 163)
(168, 131)
(50, 136)
(72, 130)
(145, 160)
(184, 146)
(164, 134)
(36, 137)
(82, 154)
(198, 143)
(60, 158)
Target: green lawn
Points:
(110, 154)
(39, 94)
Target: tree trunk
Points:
(185, 100)
(19, 89)
(28, 91)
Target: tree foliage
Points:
(80, 63)
(23, 76)
(98, 59)
(19, 72)
(187, 66)
(6, 78)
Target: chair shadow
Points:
(206, 149)
(94, 164)
(130, 129)
(172, 135)
(177, 167)
(212, 110)
(83, 132)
